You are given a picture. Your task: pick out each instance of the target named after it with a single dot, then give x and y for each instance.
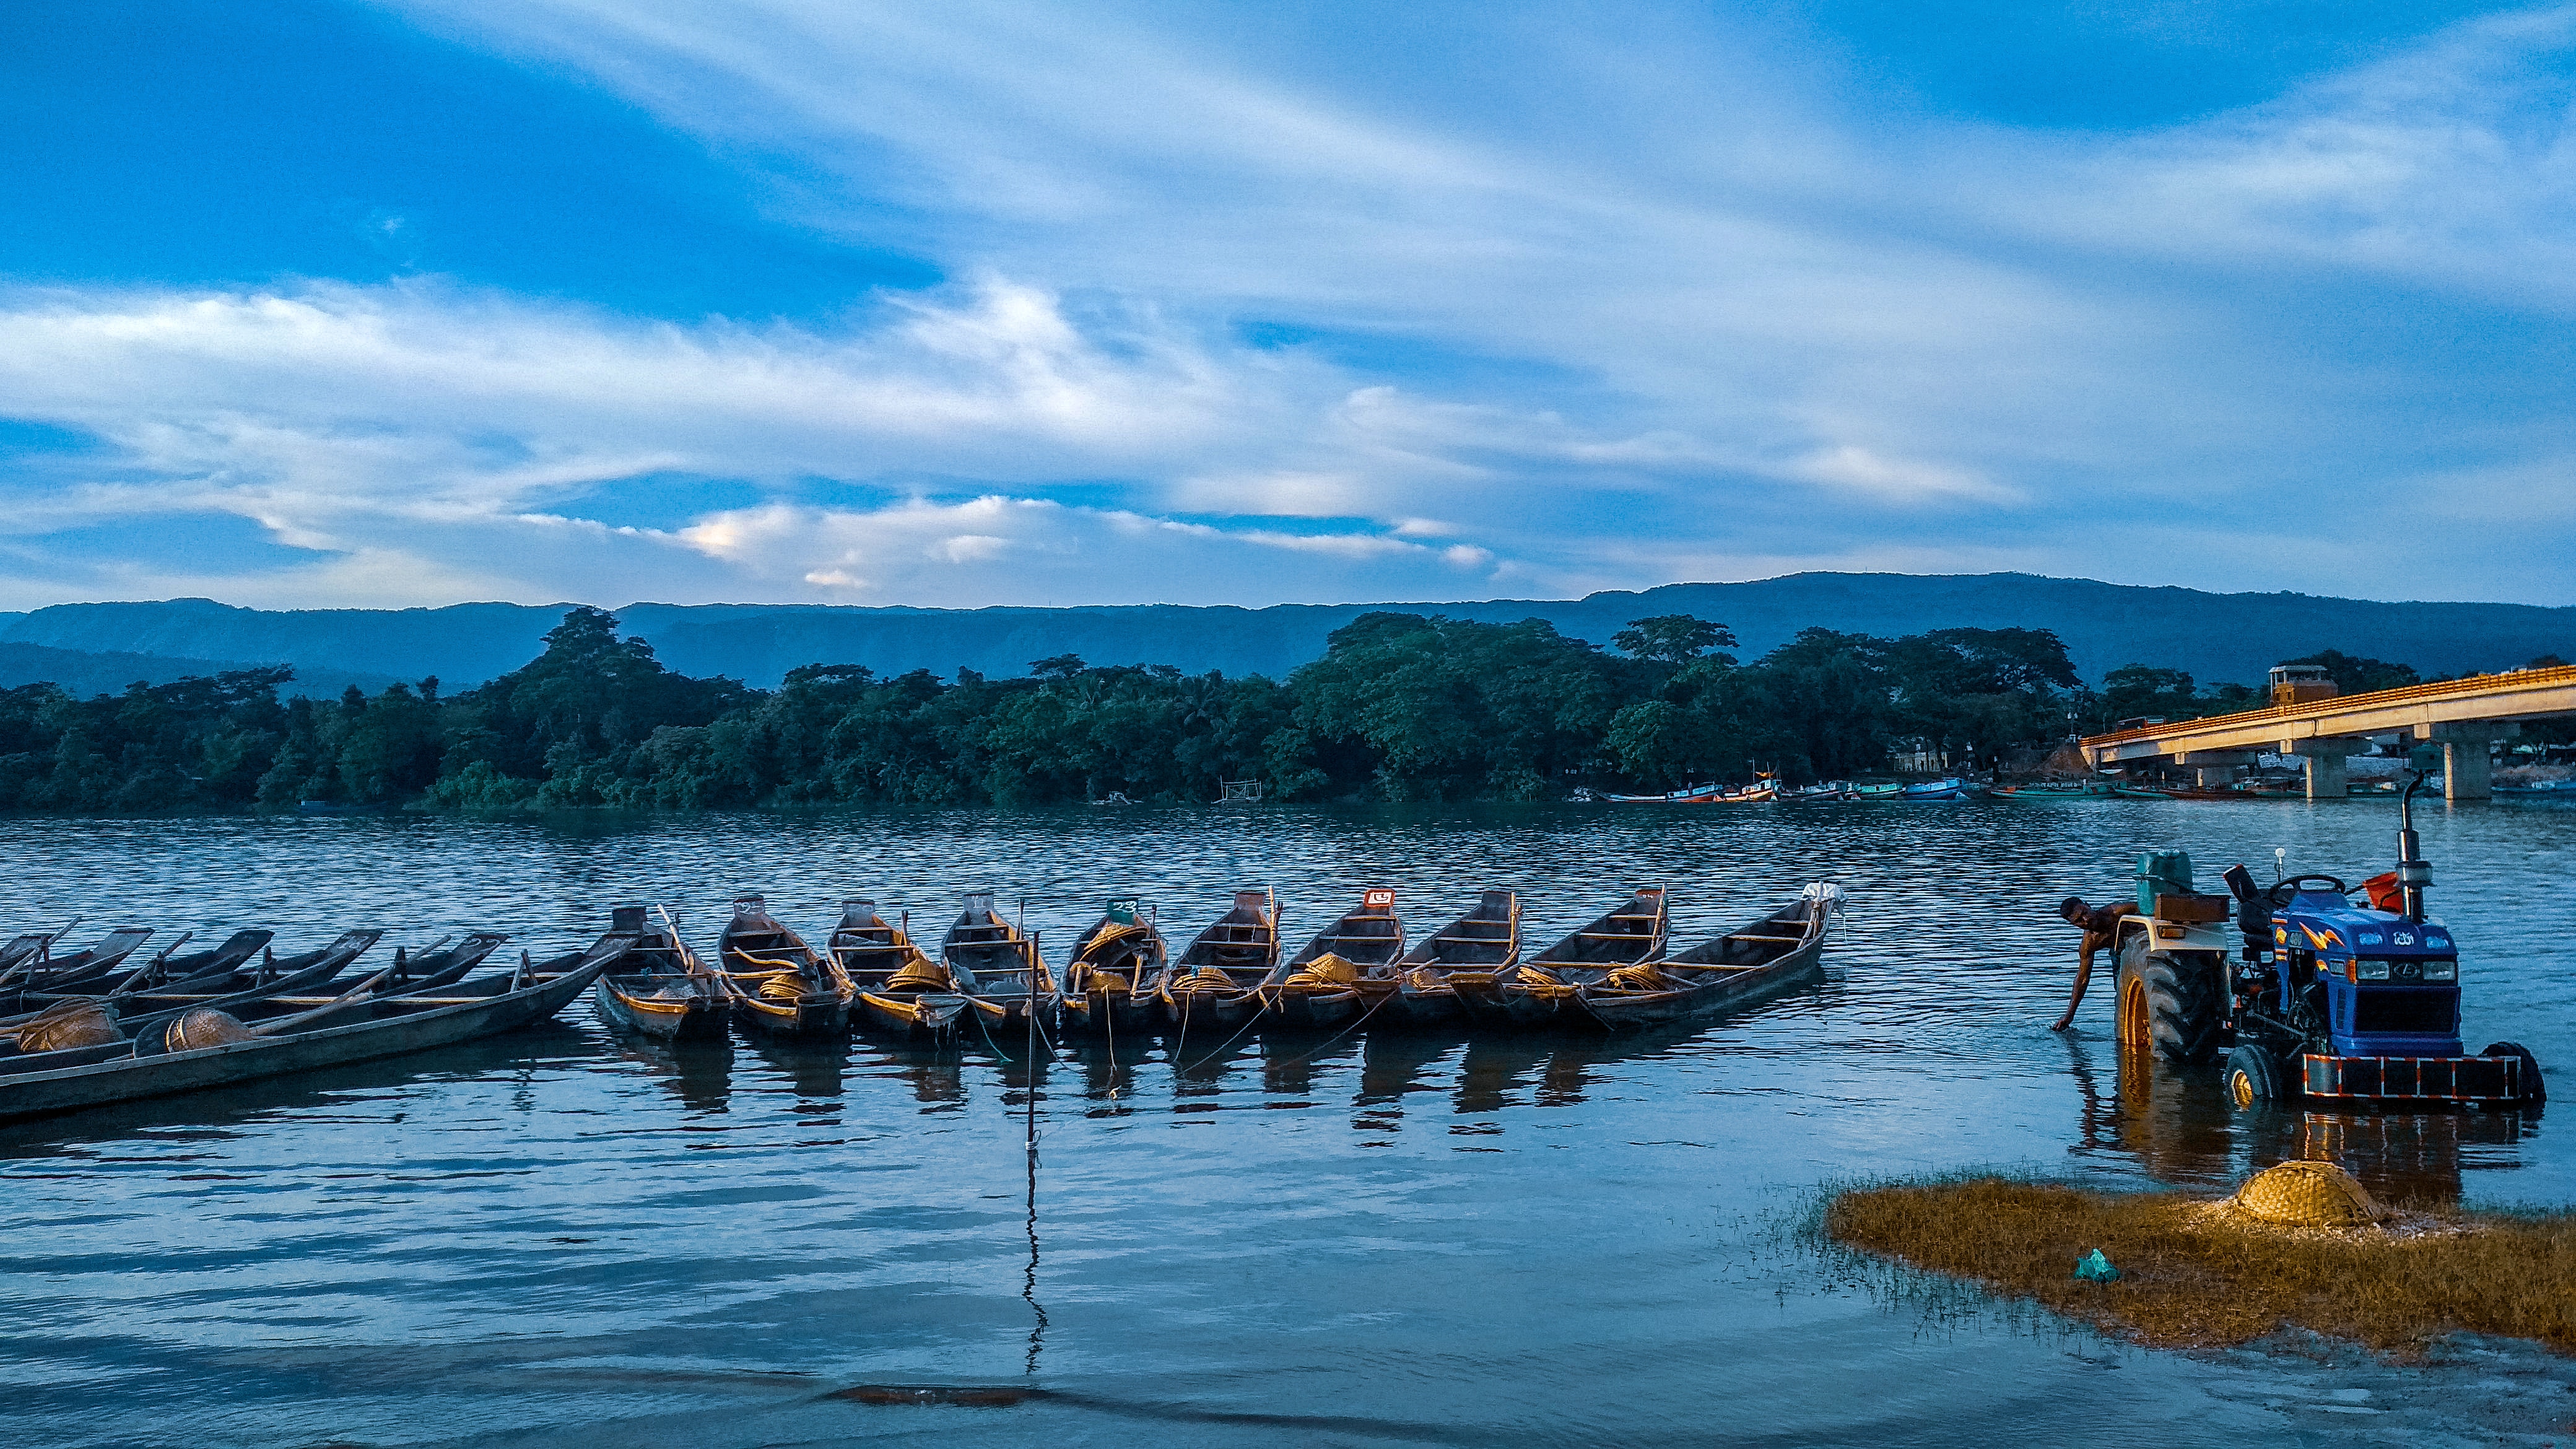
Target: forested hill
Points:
(2213, 637)
(82, 673)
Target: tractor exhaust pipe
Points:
(2414, 873)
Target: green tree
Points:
(1425, 707)
(1672, 638)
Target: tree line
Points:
(1400, 707)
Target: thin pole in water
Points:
(1029, 1285)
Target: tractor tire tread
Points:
(2183, 997)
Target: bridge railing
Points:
(2345, 703)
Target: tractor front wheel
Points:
(2253, 1077)
(2533, 1093)
(2171, 1002)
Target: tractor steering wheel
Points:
(2279, 895)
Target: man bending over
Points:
(2101, 927)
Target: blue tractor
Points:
(2354, 1004)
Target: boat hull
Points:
(1748, 988)
(1098, 1015)
(1434, 1010)
(924, 1016)
(1292, 1010)
(686, 1018)
(38, 1094)
(1186, 1011)
(813, 1017)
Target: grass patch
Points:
(2192, 1278)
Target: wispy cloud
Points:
(1261, 311)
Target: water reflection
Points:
(1392, 1065)
(1318, 1222)
(936, 1073)
(385, 1089)
(1492, 1068)
(698, 1072)
(2180, 1126)
(813, 1069)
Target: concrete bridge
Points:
(2463, 716)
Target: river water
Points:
(561, 1238)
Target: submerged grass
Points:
(2189, 1278)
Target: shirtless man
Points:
(2101, 927)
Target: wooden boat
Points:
(2053, 792)
(774, 982)
(1953, 788)
(1687, 795)
(1542, 990)
(1325, 985)
(21, 947)
(167, 971)
(39, 971)
(1777, 953)
(1110, 984)
(1764, 788)
(256, 994)
(1485, 940)
(661, 989)
(305, 971)
(998, 968)
(442, 961)
(288, 1035)
(901, 991)
(2139, 792)
(1217, 981)
(1875, 792)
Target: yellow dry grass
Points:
(2194, 1275)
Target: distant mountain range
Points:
(2215, 637)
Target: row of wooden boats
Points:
(988, 978)
(1768, 788)
(92, 1027)
(108, 1023)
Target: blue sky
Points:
(421, 301)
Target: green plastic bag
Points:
(2094, 1268)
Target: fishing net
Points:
(1538, 982)
(78, 1022)
(920, 974)
(204, 1027)
(786, 986)
(2307, 1195)
(1328, 969)
(1425, 979)
(1644, 976)
(1206, 978)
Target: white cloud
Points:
(920, 551)
(1616, 305)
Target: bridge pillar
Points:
(2466, 772)
(2215, 769)
(2324, 759)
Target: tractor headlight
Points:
(2370, 971)
(2441, 970)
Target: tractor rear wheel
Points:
(2533, 1093)
(2171, 1002)
(2253, 1077)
